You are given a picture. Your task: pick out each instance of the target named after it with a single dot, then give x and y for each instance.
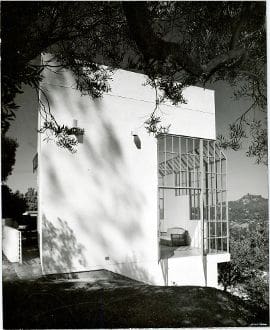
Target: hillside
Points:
(249, 209)
(70, 304)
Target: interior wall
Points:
(177, 214)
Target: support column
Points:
(204, 256)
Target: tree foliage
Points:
(31, 199)
(249, 268)
(8, 154)
(13, 204)
(176, 44)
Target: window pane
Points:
(217, 152)
(218, 181)
(218, 224)
(212, 229)
(223, 182)
(190, 145)
(218, 197)
(205, 148)
(197, 146)
(217, 168)
(184, 162)
(212, 212)
(205, 212)
(183, 178)
(190, 162)
(197, 161)
(218, 211)
(224, 244)
(176, 141)
(212, 244)
(223, 166)
(211, 148)
(168, 143)
(161, 143)
(224, 228)
(211, 167)
(194, 200)
(183, 145)
(224, 211)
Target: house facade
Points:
(150, 208)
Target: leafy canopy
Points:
(176, 44)
(8, 154)
(13, 204)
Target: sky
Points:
(244, 176)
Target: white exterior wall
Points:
(11, 244)
(187, 270)
(98, 207)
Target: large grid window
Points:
(181, 169)
(215, 200)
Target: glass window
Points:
(183, 145)
(179, 166)
(161, 208)
(176, 144)
(223, 166)
(197, 146)
(224, 228)
(190, 146)
(212, 229)
(168, 143)
(212, 244)
(194, 202)
(224, 244)
(219, 246)
(211, 148)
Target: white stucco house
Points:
(156, 213)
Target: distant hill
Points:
(248, 209)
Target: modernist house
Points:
(150, 208)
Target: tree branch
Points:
(149, 44)
(220, 60)
(245, 9)
(153, 47)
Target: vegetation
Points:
(105, 304)
(176, 44)
(31, 199)
(8, 155)
(247, 273)
(248, 209)
(13, 204)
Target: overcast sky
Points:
(244, 176)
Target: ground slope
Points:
(117, 303)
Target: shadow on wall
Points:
(134, 270)
(108, 205)
(60, 247)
